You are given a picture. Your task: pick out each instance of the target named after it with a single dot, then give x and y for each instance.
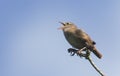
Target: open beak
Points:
(61, 28)
(62, 23)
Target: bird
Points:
(78, 38)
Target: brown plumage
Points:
(78, 38)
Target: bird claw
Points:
(82, 55)
(72, 54)
(72, 51)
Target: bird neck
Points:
(70, 30)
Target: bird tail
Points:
(97, 53)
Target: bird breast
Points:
(75, 41)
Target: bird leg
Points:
(81, 53)
(72, 51)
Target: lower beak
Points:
(61, 28)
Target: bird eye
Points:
(67, 23)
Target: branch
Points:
(95, 67)
(86, 55)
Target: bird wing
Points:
(84, 36)
(88, 42)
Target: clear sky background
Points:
(31, 45)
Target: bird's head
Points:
(67, 26)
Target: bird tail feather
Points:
(97, 53)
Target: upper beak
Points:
(62, 23)
(61, 28)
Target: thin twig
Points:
(87, 56)
(95, 67)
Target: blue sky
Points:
(31, 45)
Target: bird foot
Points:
(72, 51)
(78, 52)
